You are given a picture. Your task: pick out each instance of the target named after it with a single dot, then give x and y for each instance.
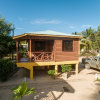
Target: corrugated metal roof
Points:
(50, 32)
(47, 33)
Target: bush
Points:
(21, 90)
(51, 73)
(66, 68)
(6, 69)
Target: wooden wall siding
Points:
(55, 46)
(66, 55)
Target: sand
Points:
(80, 87)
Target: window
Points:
(67, 45)
(39, 45)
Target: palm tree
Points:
(97, 39)
(87, 41)
(88, 33)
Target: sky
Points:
(58, 15)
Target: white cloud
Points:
(44, 21)
(19, 28)
(72, 27)
(86, 26)
(20, 18)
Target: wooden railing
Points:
(36, 56)
(42, 56)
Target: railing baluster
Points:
(42, 56)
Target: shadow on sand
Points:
(46, 88)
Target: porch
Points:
(35, 51)
(36, 56)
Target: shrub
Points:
(6, 68)
(66, 68)
(51, 73)
(21, 90)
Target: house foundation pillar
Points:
(31, 73)
(56, 69)
(76, 68)
(48, 67)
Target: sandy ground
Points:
(80, 87)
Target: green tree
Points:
(97, 39)
(21, 90)
(7, 44)
(5, 27)
(88, 41)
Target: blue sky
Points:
(59, 15)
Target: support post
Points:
(76, 68)
(48, 67)
(16, 51)
(31, 73)
(56, 70)
(30, 51)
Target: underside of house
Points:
(46, 50)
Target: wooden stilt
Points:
(56, 69)
(31, 73)
(76, 68)
(48, 67)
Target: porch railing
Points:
(42, 56)
(36, 56)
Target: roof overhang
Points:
(46, 35)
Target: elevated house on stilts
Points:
(46, 48)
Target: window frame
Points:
(68, 50)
